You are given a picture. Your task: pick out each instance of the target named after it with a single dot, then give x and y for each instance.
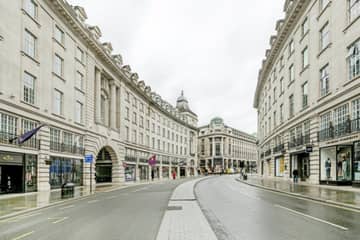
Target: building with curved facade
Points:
(307, 94)
(222, 147)
(55, 70)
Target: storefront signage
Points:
(11, 159)
(88, 158)
(343, 139)
(309, 149)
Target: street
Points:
(132, 213)
(238, 211)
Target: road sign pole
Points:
(91, 177)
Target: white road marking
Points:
(140, 189)
(110, 197)
(23, 235)
(311, 217)
(66, 207)
(59, 220)
(93, 201)
(18, 218)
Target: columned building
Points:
(54, 70)
(307, 94)
(222, 147)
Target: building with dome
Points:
(103, 122)
(223, 147)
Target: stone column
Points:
(113, 105)
(137, 170)
(213, 147)
(97, 95)
(43, 158)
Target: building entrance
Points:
(301, 162)
(103, 167)
(11, 179)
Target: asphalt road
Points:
(238, 211)
(132, 213)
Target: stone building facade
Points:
(54, 70)
(224, 147)
(307, 94)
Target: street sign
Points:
(89, 158)
(309, 149)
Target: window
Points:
(354, 60)
(269, 102)
(356, 114)
(67, 138)
(134, 120)
(79, 80)
(305, 57)
(141, 107)
(275, 123)
(324, 37)
(29, 88)
(291, 47)
(59, 35)
(304, 94)
(281, 85)
(274, 95)
(134, 136)
(141, 123)
(103, 109)
(58, 65)
(325, 121)
(291, 105)
(354, 9)
(323, 4)
(80, 55)
(78, 112)
(291, 73)
(305, 27)
(281, 62)
(8, 125)
(58, 102)
(127, 96)
(324, 81)
(29, 44)
(31, 8)
(141, 138)
(341, 115)
(127, 133)
(127, 113)
(134, 102)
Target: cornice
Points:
(113, 62)
(288, 24)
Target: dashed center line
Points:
(140, 189)
(311, 217)
(93, 201)
(58, 220)
(23, 235)
(110, 197)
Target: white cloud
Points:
(212, 49)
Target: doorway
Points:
(11, 179)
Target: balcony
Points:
(130, 158)
(268, 153)
(279, 148)
(300, 141)
(5, 138)
(342, 129)
(66, 148)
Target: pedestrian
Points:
(174, 175)
(295, 175)
(152, 175)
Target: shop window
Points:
(30, 173)
(63, 170)
(336, 163)
(357, 161)
(279, 166)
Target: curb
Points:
(53, 204)
(329, 202)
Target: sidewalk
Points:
(184, 219)
(13, 204)
(345, 196)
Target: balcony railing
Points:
(267, 152)
(130, 158)
(342, 129)
(9, 138)
(300, 141)
(66, 148)
(279, 148)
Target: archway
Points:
(104, 165)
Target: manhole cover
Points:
(174, 208)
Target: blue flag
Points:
(26, 136)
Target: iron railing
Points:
(10, 138)
(66, 148)
(279, 148)
(300, 141)
(339, 130)
(130, 158)
(267, 152)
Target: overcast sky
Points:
(212, 49)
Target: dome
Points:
(217, 120)
(181, 98)
(182, 103)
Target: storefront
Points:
(130, 172)
(165, 171)
(336, 165)
(279, 166)
(356, 179)
(18, 173)
(63, 170)
(300, 161)
(144, 172)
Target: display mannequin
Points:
(344, 167)
(328, 168)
